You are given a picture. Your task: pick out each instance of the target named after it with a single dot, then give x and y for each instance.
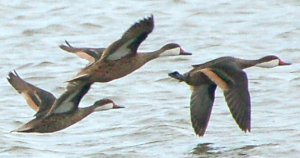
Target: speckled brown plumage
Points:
(59, 121)
(42, 102)
(121, 57)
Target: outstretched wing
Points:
(69, 100)
(90, 54)
(234, 84)
(202, 100)
(238, 101)
(37, 98)
(130, 41)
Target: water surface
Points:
(156, 121)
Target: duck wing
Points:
(234, 84)
(69, 100)
(37, 98)
(130, 41)
(202, 100)
(238, 101)
(90, 54)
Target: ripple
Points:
(156, 120)
(91, 26)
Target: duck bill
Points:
(282, 63)
(182, 52)
(117, 106)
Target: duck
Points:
(121, 58)
(226, 73)
(67, 112)
(89, 54)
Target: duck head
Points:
(270, 61)
(173, 49)
(105, 104)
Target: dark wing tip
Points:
(242, 118)
(149, 21)
(143, 26)
(10, 75)
(247, 130)
(198, 129)
(247, 127)
(14, 79)
(13, 73)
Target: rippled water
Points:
(156, 121)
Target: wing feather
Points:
(238, 101)
(201, 105)
(36, 98)
(130, 41)
(69, 100)
(90, 54)
(237, 94)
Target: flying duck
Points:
(66, 112)
(226, 73)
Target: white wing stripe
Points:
(121, 51)
(66, 105)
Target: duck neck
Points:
(82, 113)
(87, 110)
(157, 53)
(243, 63)
(147, 56)
(94, 107)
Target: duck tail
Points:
(68, 47)
(25, 128)
(82, 79)
(177, 76)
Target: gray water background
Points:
(156, 121)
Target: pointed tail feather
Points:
(68, 44)
(83, 77)
(68, 47)
(177, 76)
(21, 129)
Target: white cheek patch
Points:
(269, 64)
(171, 52)
(104, 107)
